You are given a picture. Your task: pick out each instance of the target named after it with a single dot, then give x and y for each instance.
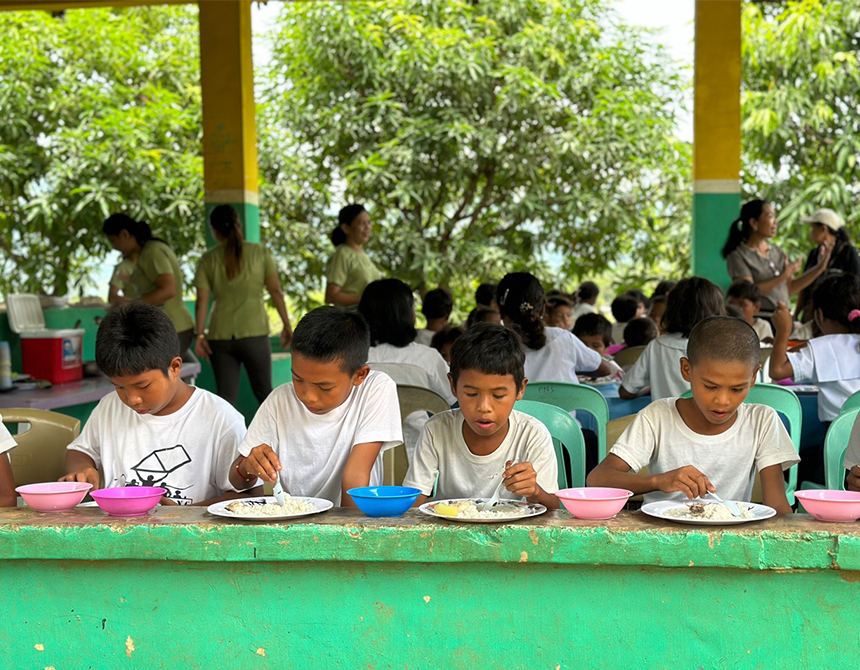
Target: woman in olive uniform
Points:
(349, 270)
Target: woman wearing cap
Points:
(235, 273)
(349, 270)
(752, 257)
(827, 229)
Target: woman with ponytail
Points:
(751, 257)
(157, 278)
(234, 273)
(349, 270)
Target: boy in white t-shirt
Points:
(471, 448)
(710, 442)
(155, 430)
(8, 497)
(322, 434)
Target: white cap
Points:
(825, 217)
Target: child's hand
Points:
(782, 321)
(521, 479)
(167, 501)
(853, 479)
(688, 480)
(88, 475)
(262, 462)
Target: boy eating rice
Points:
(712, 441)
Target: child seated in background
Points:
(595, 331)
(482, 314)
(156, 430)
(559, 311)
(747, 297)
(711, 442)
(485, 295)
(470, 448)
(624, 308)
(444, 340)
(436, 308)
(8, 497)
(640, 332)
(585, 297)
(691, 301)
(322, 433)
(832, 361)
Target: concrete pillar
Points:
(716, 133)
(229, 124)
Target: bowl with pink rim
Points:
(831, 505)
(128, 500)
(54, 496)
(594, 502)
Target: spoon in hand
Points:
(733, 506)
(484, 506)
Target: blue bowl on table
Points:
(384, 500)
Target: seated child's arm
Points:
(261, 462)
(614, 472)
(773, 489)
(8, 497)
(521, 480)
(780, 366)
(357, 470)
(230, 495)
(80, 467)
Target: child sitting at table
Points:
(640, 332)
(691, 301)
(156, 430)
(624, 308)
(472, 447)
(747, 297)
(559, 311)
(322, 433)
(831, 361)
(595, 331)
(711, 442)
(8, 497)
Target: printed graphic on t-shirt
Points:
(153, 470)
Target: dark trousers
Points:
(185, 339)
(255, 353)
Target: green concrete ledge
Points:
(632, 539)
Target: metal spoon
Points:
(278, 492)
(733, 506)
(484, 506)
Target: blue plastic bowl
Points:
(384, 500)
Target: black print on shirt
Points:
(153, 469)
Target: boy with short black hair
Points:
(746, 296)
(639, 332)
(595, 331)
(155, 430)
(624, 308)
(436, 308)
(470, 448)
(712, 441)
(322, 433)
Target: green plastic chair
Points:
(835, 446)
(786, 403)
(852, 403)
(566, 435)
(573, 398)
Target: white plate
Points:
(220, 509)
(659, 509)
(535, 509)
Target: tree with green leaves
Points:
(484, 137)
(801, 111)
(101, 113)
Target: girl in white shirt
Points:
(659, 367)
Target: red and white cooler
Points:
(55, 355)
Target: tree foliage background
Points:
(801, 111)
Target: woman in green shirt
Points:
(157, 278)
(349, 270)
(234, 274)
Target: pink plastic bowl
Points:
(54, 496)
(595, 502)
(835, 506)
(128, 500)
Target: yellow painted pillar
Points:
(716, 133)
(229, 124)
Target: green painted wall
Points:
(712, 214)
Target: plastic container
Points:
(384, 500)
(55, 355)
(829, 505)
(594, 502)
(128, 500)
(54, 496)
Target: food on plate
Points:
(258, 507)
(468, 509)
(708, 511)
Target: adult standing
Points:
(234, 273)
(827, 230)
(349, 270)
(156, 278)
(752, 257)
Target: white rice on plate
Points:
(708, 511)
(260, 508)
(468, 509)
